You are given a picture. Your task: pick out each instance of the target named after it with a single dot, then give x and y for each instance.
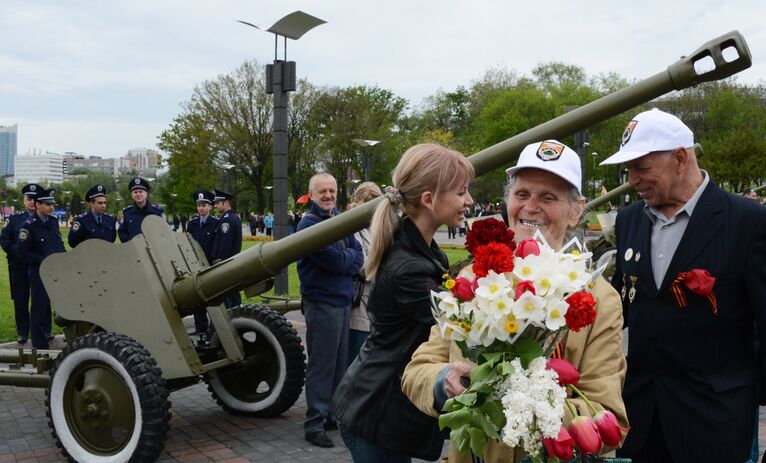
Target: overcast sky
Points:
(104, 77)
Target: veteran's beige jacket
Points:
(596, 352)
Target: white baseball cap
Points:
(651, 131)
(552, 156)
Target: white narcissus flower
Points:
(574, 274)
(492, 286)
(448, 304)
(554, 317)
(529, 307)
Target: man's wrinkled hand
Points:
(456, 378)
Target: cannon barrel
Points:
(260, 263)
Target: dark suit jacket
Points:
(698, 371)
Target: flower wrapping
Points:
(507, 313)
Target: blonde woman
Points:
(377, 422)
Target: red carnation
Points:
(487, 231)
(492, 256)
(581, 311)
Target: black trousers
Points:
(20, 288)
(654, 450)
(40, 319)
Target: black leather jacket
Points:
(369, 399)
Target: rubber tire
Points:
(290, 359)
(129, 360)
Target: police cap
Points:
(31, 189)
(140, 183)
(45, 196)
(220, 195)
(203, 196)
(95, 192)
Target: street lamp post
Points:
(367, 157)
(280, 79)
(594, 154)
(173, 204)
(269, 206)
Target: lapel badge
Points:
(632, 292)
(628, 254)
(623, 291)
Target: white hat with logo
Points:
(651, 131)
(552, 156)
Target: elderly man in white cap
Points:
(691, 275)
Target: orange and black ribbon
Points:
(558, 353)
(680, 297)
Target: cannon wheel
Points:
(107, 401)
(270, 378)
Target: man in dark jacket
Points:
(96, 224)
(327, 289)
(134, 214)
(228, 237)
(202, 229)
(690, 270)
(18, 271)
(40, 237)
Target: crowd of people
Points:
(30, 236)
(380, 371)
(688, 388)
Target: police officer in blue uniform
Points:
(228, 236)
(202, 229)
(40, 237)
(134, 215)
(96, 223)
(18, 272)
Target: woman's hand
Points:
(453, 380)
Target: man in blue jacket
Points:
(327, 289)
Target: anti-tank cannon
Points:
(106, 392)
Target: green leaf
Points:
(483, 387)
(504, 369)
(491, 357)
(461, 438)
(481, 372)
(493, 409)
(451, 405)
(478, 439)
(466, 398)
(527, 350)
(480, 421)
(455, 419)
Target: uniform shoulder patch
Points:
(75, 225)
(23, 234)
(225, 227)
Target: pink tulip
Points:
(526, 248)
(463, 289)
(562, 447)
(523, 286)
(585, 434)
(608, 428)
(568, 374)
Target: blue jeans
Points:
(327, 348)
(366, 451)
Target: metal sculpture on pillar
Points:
(280, 79)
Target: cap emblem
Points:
(100, 188)
(628, 132)
(137, 181)
(201, 196)
(550, 151)
(32, 188)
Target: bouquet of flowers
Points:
(508, 312)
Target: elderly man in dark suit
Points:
(691, 270)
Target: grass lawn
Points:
(8, 326)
